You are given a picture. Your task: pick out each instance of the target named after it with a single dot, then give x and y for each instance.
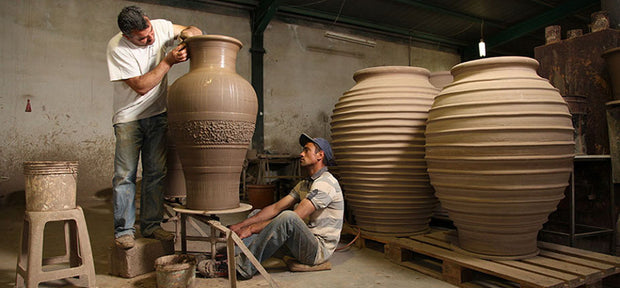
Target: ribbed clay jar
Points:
(499, 149)
(212, 114)
(378, 141)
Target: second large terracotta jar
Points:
(499, 149)
(378, 141)
(212, 114)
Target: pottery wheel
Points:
(242, 208)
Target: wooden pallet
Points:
(556, 266)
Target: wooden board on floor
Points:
(556, 266)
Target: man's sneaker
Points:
(126, 241)
(212, 268)
(161, 234)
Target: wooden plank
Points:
(432, 241)
(600, 257)
(607, 269)
(590, 275)
(571, 279)
(525, 278)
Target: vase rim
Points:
(494, 61)
(213, 37)
(391, 69)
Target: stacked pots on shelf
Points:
(378, 141)
(499, 149)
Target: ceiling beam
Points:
(263, 14)
(547, 18)
(521, 29)
(378, 27)
(441, 10)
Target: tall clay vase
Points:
(378, 141)
(499, 149)
(212, 114)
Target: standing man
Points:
(320, 202)
(138, 65)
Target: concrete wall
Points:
(53, 53)
(306, 73)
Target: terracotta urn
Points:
(440, 79)
(175, 180)
(378, 141)
(499, 149)
(212, 114)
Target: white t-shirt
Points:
(127, 60)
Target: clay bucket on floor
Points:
(50, 185)
(175, 271)
(499, 149)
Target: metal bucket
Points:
(175, 271)
(50, 185)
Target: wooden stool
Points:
(78, 255)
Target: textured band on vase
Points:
(213, 132)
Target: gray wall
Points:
(53, 53)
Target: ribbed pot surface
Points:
(499, 150)
(378, 141)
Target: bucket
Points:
(261, 195)
(175, 271)
(50, 185)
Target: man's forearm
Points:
(257, 227)
(265, 214)
(144, 83)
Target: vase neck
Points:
(213, 53)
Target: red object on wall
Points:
(28, 108)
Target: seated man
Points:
(319, 199)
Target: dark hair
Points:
(130, 19)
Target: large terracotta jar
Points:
(499, 148)
(212, 114)
(378, 141)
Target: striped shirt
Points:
(323, 190)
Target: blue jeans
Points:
(146, 136)
(286, 230)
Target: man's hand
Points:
(241, 231)
(235, 228)
(177, 55)
(189, 32)
(244, 232)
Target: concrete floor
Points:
(352, 267)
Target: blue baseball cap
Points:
(323, 144)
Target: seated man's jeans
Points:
(286, 230)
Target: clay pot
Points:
(378, 141)
(612, 58)
(261, 195)
(440, 79)
(212, 114)
(578, 107)
(499, 149)
(50, 185)
(175, 180)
